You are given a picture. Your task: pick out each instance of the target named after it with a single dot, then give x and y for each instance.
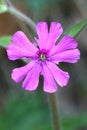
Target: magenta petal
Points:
(14, 52)
(42, 31)
(19, 39)
(50, 85)
(32, 79)
(66, 43)
(18, 74)
(60, 76)
(54, 33)
(70, 56)
(20, 47)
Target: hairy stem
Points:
(54, 111)
(12, 10)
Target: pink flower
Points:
(43, 57)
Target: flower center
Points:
(42, 56)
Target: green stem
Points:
(54, 111)
(20, 15)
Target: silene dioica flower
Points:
(43, 56)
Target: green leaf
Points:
(76, 29)
(4, 41)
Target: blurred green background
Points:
(21, 110)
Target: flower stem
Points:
(20, 15)
(54, 111)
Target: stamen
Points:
(42, 56)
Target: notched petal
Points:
(70, 56)
(54, 33)
(32, 79)
(42, 31)
(20, 47)
(18, 74)
(59, 75)
(50, 85)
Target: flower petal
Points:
(66, 43)
(31, 81)
(18, 74)
(50, 85)
(20, 47)
(60, 76)
(47, 39)
(54, 33)
(42, 31)
(20, 40)
(70, 56)
(14, 52)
